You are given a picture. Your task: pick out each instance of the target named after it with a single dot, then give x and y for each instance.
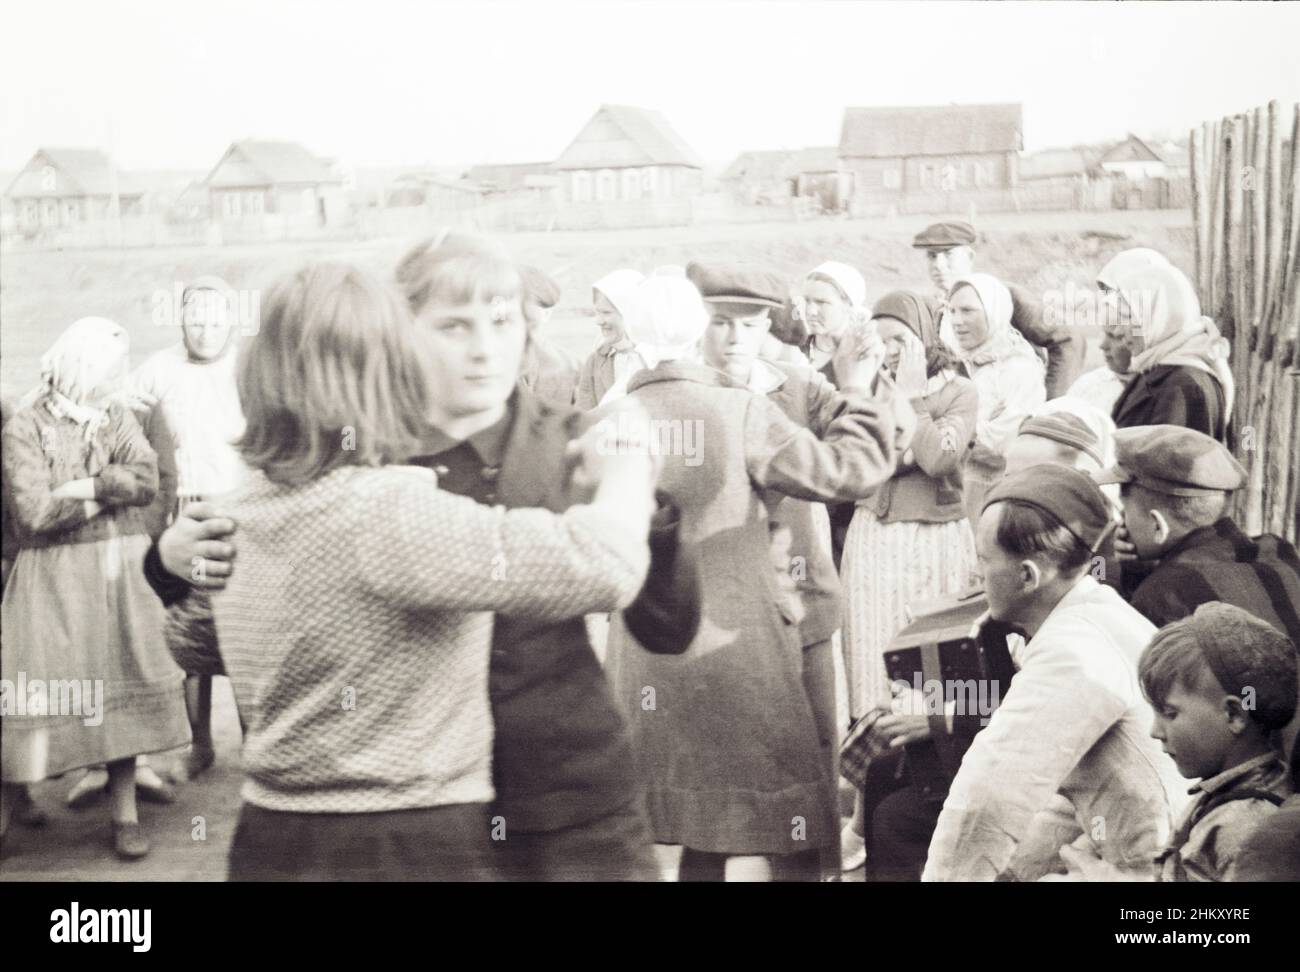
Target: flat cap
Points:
(738, 283)
(1067, 429)
(1066, 494)
(943, 236)
(1247, 653)
(1173, 460)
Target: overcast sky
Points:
(391, 82)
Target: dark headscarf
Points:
(913, 310)
(921, 316)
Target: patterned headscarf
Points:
(91, 352)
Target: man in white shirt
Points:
(1074, 724)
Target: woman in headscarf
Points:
(834, 301)
(725, 739)
(615, 360)
(911, 540)
(1007, 373)
(79, 477)
(1181, 374)
(1101, 387)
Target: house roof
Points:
(1131, 149)
(930, 130)
(85, 172)
(253, 163)
(820, 159)
(512, 175)
(619, 136)
(759, 166)
(1059, 162)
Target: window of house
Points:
(70, 210)
(605, 186)
(253, 203)
(582, 186)
(631, 184)
(891, 178)
(230, 205)
(49, 213)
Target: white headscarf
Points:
(1126, 261)
(618, 288)
(850, 282)
(1003, 340)
(89, 353)
(665, 320)
(1164, 305)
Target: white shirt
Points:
(201, 403)
(1074, 723)
(1099, 387)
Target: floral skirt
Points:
(87, 677)
(887, 566)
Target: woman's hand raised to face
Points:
(911, 379)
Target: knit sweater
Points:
(351, 635)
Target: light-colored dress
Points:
(80, 625)
(890, 562)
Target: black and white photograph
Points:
(585, 443)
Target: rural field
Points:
(41, 292)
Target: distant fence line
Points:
(503, 213)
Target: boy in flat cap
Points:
(1221, 682)
(950, 253)
(1176, 484)
(1074, 723)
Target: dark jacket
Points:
(1173, 395)
(562, 753)
(1220, 563)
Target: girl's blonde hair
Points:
(456, 268)
(332, 378)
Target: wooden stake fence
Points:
(1246, 207)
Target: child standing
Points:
(1221, 682)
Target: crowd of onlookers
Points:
(388, 514)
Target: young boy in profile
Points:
(1221, 682)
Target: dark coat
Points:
(1173, 395)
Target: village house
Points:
(258, 179)
(626, 154)
(64, 187)
(890, 152)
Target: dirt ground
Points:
(41, 292)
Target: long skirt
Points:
(87, 677)
(887, 566)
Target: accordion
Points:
(956, 658)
